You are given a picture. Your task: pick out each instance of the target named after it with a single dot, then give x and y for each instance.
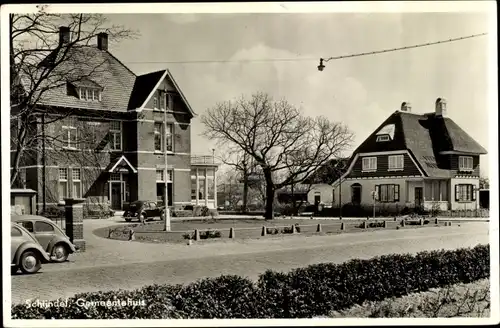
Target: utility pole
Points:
(165, 172)
(44, 193)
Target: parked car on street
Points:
(52, 238)
(143, 210)
(26, 253)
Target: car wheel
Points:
(30, 262)
(60, 253)
(13, 270)
(142, 217)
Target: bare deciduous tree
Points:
(278, 137)
(41, 63)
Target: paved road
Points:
(130, 265)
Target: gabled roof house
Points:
(414, 160)
(115, 130)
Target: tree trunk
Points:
(294, 201)
(269, 215)
(245, 190)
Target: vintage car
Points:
(26, 253)
(143, 210)
(52, 239)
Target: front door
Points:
(116, 195)
(418, 196)
(356, 194)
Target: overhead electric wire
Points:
(310, 59)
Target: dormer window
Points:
(89, 94)
(465, 163)
(386, 133)
(85, 89)
(384, 137)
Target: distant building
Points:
(415, 160)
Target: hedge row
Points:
(315, 290)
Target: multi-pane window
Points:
(155, 100)
(77, 182)
(63, 183)
(159, 133)
(369, 163)
(383, 137)
(170, 137)
(465, 193)
(162, 95)
(396, 162)
(89, 94)
(201, 190)
(115, 177)
(159, 176)
(115, 134)
(387, 193)
(465, 163)
(69, 136)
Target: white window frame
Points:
(369, 164)
(170, 101)
(463, 195)
(386, 190)
(68, 130)
(396, 162)
(63, 180)
(161, 175)
(76, 181)
(170, 135)
(463, 163)
(162, 95)
(113, 133)
(159, 132)
(383, 138)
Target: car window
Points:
(28, 225)
(15, 232)
(152, 205)
(43, 227)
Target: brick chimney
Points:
(406, 107)
(64, 35)
(441, 107)
(102, 41)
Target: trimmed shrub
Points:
(313, 291)
(53, 212)
(272, 231)
(182, 213)
(207, 234)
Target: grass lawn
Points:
(461, 300)
(244, 229)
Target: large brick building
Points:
(106, 141)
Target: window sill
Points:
(158, 110)
(115, 150)
(465, 170)
(392, 170)
(70, 148)
(363, 171)
(161, 152)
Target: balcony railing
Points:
(204, 159)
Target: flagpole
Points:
(165, 175)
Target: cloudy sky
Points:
(360, 92)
